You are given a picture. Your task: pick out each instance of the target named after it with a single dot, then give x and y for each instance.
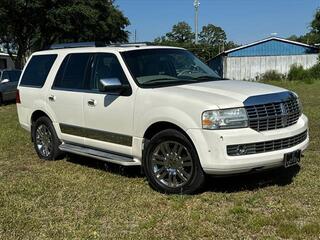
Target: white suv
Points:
(158, 107)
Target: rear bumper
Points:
(212, 148)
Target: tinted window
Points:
(5, 75)
(73, 71)
(13, 76)
(106, 66)
(37, 70)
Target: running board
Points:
(98, 154)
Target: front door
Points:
(108, 118)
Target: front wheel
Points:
(171, 164)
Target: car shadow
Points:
(227, 184)
(251, 181)
(129, 172)
(5, 103)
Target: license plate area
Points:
(292, 159)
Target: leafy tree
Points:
(212, 35)
(315, 24)
(181, 33)
(31, 25)
(313, 36)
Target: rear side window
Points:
(73, 71)
(37, 70)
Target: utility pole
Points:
(135, 35)
(196, 5)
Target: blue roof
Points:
(273, 46)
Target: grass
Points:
(76, 198)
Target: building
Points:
(6, 61)
(248, 62)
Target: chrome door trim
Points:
(95, 134)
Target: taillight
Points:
(18, 97)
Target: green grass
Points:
(76, 198)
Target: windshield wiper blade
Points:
(161, 79)
(208, 77)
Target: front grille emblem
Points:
(284, 113)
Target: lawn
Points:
(77, 198)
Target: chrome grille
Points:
(261, 147)
(275, 115)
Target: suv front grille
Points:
(272, 116)
(269, 146)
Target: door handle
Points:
(52, 98)
(92, 102)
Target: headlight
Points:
(224, 119)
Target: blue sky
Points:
(243, 20)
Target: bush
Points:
(272, 75)
(297, 72)
(315, 71)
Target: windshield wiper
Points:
(161, 79)
(207, 77)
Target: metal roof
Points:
(269, 39)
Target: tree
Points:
(31, 25)
(181, 33)
(212, 35)
(315, 24)
(313, 36)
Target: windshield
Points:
(162, 67)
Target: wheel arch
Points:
(157, 127)
(35, 116)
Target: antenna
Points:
(196, 5)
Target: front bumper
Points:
(211, 146)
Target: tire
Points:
(171, 164)
(1, 99)
(45, 139)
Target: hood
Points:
(223, 94)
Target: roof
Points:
(272, 46)
(269, 39)
(102, 49)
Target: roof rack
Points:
(137, 44)
(77, 45)
(97, 44)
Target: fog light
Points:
(242, 150)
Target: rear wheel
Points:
(1, 99)
(46, 141)
(171, 164)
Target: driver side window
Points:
(106, 66)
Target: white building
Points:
(250, 61)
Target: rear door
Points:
(108, 119)
(65, 98)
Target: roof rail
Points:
(77, 45)
(137, 44)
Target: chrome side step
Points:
(98, 154)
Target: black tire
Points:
(44, 124)
(1, 99)
(187, 177)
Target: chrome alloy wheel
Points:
(172, 164)
(44, 140)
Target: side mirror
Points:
(5, 81)
(112, 86)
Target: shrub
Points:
(272, 75)
(297, 72)
(315, 71)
